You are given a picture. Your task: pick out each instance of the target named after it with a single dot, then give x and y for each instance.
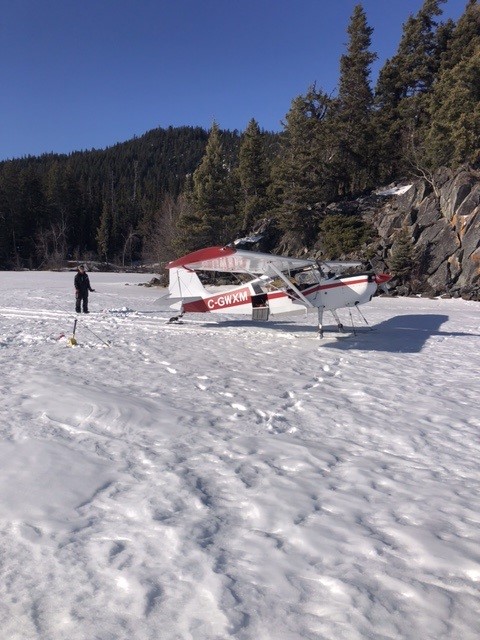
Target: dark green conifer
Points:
(454, 133)
(212, 219)
(343, 234)
(402, 255)
(302, 174)
(403, 87)
(464, 38)
(103, 236)
(253, 176)
(356, 139)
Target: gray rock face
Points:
(443, 219)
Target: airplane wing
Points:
(340, 265)
(228, 259)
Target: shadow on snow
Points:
(400, 334)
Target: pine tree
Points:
(6, 229)
(402, 255)
(66, 204)
(32, 215)
(104, 231)
(454, 134)
(355, 162)
(404, 84)
(212, 218)
(10, 209)
(302, 174)
(343, 234)
(253, 176)
(464, 38)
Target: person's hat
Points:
(80, 266)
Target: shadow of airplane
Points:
(400, 334)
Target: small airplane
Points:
(278, 285)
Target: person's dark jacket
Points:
(82, 284)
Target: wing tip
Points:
(201, 255)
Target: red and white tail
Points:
(184, 284)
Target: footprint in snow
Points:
(313, 385)
(240, 407)
(328, 369)
(169, 368)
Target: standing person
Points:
(82, 287)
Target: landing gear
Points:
(320, 322)
(334, 313)
(363, 317)
(337, 320)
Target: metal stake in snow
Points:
(72, 341)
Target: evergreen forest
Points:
(175, 190)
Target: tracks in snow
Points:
(60, 322)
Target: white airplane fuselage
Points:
(257, 298)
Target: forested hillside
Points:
(177, 189)
(92, 202)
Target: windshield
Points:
(307, 277)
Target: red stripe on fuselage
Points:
(198, 306)
(335, 285)
(220, 301)
(321, 287)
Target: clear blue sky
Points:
(83, 74)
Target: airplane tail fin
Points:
(185, 284)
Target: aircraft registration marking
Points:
(228, 299)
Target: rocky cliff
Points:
(442, 217)
(439, 217)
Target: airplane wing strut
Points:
(290, 285)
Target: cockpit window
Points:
(307, 277)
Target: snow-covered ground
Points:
(223, 479)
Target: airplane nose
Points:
(382, 278)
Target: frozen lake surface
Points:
(228, 479)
